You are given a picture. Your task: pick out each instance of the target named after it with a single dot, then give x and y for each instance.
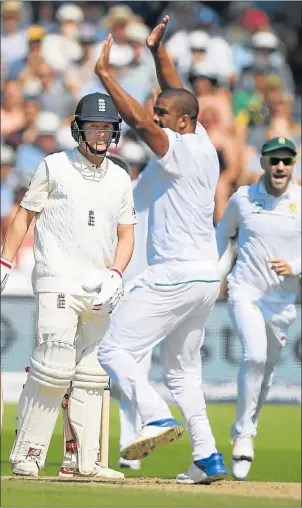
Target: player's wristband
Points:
(117, 270)
(6, 264)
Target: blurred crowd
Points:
(240, 60)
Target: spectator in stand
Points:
(27, 133)
(26, 68)
(267, 49)
(13, 37)
(219, 51)
(12, 109)
(45, 15)
(250, 22)
(117, 20)
(82, 71)
(199, 42)
(55, 95)
(204, 81)
(142, 68)
(31, 111)
(29, 155)
(121, 57)
(228, 153)
(62, 49)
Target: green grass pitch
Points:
(277, 459)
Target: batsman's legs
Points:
(52, 366)
(85, 405)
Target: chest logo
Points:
(61, 301)
(91, 218)
(257, 206)
(292, 207)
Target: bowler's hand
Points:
(102, 64)
(155, 37)
(280, 266)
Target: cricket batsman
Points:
(263, 284)
(84, 235)
(172, 299)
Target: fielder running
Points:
(174, 296)
(82, 202)
(263, 283)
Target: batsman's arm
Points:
(166, 73)
(125, 228)
(16, 233)
(32, 203)
(125, 246)
(131, 111)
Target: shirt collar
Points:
(87, 169)
(262, 190)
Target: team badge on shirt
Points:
(61, 301)
(91, 218)
(258, 206)
(292, 207)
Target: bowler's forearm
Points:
(166, 73)
(131, 111)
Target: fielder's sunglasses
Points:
(287, 161)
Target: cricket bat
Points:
(104, 434)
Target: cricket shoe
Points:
(26, 467)
(135, 465)
(206, 471)
(153, 434)
(69, 469)
(242, 456)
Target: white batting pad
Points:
(84, 411)
(41, 398)
(53, 363)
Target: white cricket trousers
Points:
(174, 315)
(262, 328)
(130, 419)
(68, 335)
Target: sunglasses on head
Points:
(287, 161)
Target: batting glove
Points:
(110, 294)
(6, 267)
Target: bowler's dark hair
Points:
(185, 101)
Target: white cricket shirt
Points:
(269, 228)
(79, 207)
(181, 234)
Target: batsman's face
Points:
(278, 166)
(165, 114)
(98, 134)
